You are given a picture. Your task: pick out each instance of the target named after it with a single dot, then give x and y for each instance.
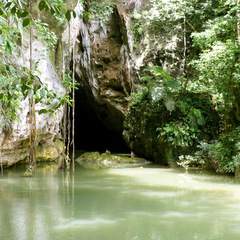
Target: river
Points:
(129, 203)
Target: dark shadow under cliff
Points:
(90, 133)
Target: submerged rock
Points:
(95, 160)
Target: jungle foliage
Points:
(210, 50)
(20, 82)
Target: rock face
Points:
(15, 144)
(110, 62)
(102, 69)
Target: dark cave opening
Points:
(90, 133)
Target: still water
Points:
(135, 203)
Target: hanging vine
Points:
(73, 112)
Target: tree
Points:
(218, 63)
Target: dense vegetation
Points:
(210, 52)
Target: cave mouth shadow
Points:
(90, 133)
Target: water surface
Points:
(118, 204)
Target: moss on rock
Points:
(95, 160)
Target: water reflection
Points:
(130, 203)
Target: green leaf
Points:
(24, 14)
(37, 97)
(1, 12)
(8, 5)
(74, 14)
(68, 15)
(37, 86)
(25, 87)
(43, 93)
(26, 22)
(87, 15)
(13, 10)
(19, 13)
(173, 84)
(61, 102)
(67, 100)
(46, 7)
(8, 48)
(42, 111)
(169, 104)
(0, 31)
(57, 9)
(9, 96)
(1, 96)
(37, 100)
(52, 11)
(42, 5)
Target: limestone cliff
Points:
(110, 60)
(15, 144)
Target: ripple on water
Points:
(86, 223)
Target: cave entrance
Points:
(90, 133)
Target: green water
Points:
(118, 204)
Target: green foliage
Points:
(43, 32)
(179, 133)
(186, 129)
(186, 111)
(10, 93)
(215, 29)
(159, 85)
(102, 9)
(50, 99)
(166, 15)
(55, 7)
(60, 11)
(19, 83)
(68, 81)
(225, 151)
(211, 30)
(137, 27)
(218, 64)
(218, 72)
